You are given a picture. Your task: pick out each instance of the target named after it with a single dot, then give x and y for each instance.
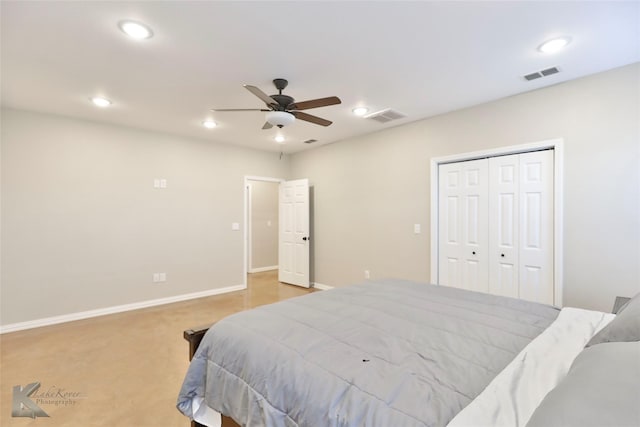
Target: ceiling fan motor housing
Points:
(283, 101)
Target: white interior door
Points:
(536, 227)
(504, 223)
(450, 235)
(293, 242)
(521, 226)
(463, 225)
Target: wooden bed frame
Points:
(194, 337)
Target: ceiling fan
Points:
(283, 110)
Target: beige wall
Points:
(83, 228)
(369, 191)
(264, 224)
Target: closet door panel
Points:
(536, 231)
(463, 225)
(449, 229)
(475, 273)
(503, 225)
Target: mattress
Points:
(383, 353)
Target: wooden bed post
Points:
(194, 337)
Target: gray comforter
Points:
(388, 353)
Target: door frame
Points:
(247, 231)
(557, 145)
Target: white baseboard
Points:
(47, 321)
(261, 269)
(322, 287)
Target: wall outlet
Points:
(367, 275)
(416, 228)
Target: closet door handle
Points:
(474, 252)
(502, 255)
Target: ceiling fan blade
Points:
(267, 125)
(315, 103)
(239, 109)
(260, 94)
(309, 118)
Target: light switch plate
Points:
(235, 226)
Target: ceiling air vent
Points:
(310, 141)
(549, 71)
(533, 76)
(542, 73)
(385, 116)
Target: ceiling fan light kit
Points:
(280, 118)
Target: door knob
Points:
(474, 252)
(305, 238)
(502, 255)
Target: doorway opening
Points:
(261, 226)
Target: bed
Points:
(398, 353)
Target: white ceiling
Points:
(420, 58)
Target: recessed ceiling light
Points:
(209, 124)
(279, 139)
(100, 101)
(135, 30)
(554, 45)
(360, 111)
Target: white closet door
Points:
(463, 210)
(449, 230)
(536, 227)
(496, 227)
(503, 225)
